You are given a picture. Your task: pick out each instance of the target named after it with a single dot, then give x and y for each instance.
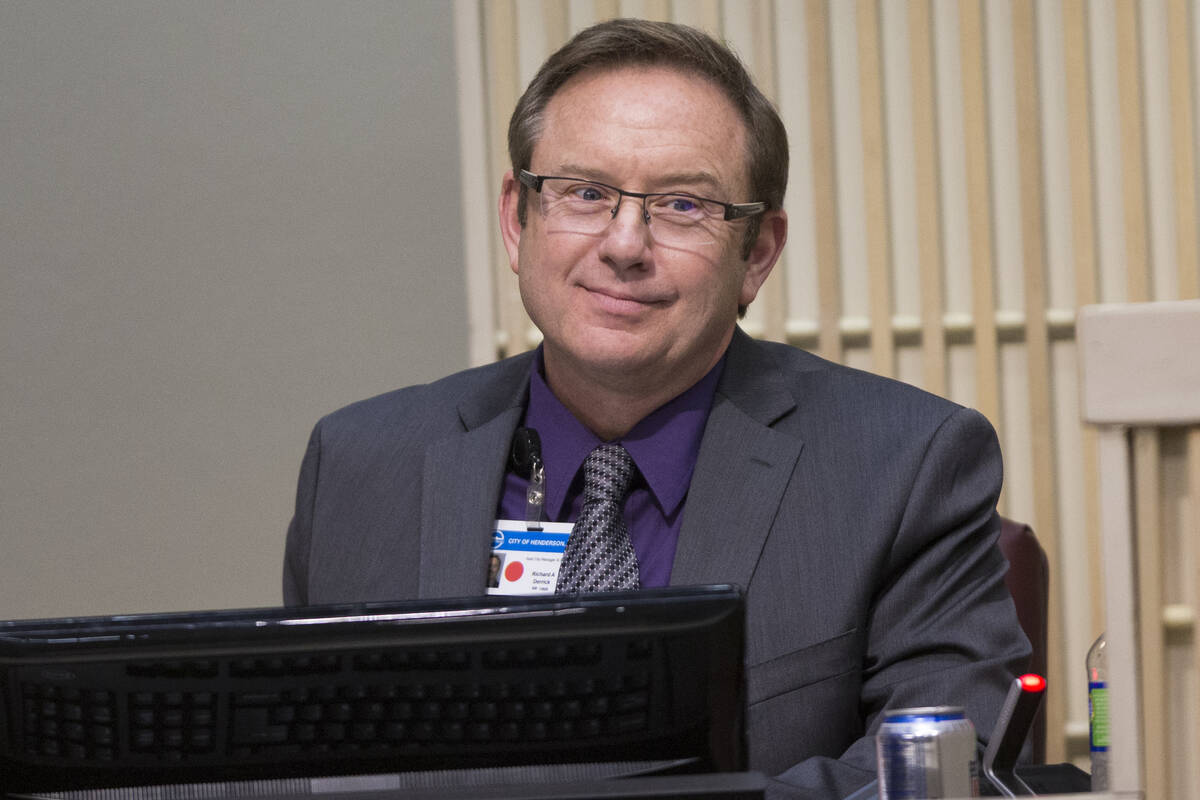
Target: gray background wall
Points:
(218, 221)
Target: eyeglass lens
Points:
(584, 207)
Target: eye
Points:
(585, 193)
(681, 207)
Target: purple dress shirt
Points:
(664, 446)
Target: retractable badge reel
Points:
(527, 462)
(526, 554)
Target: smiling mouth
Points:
(621, 302)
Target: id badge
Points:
(526, 561)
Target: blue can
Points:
(926, 753)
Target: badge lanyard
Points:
(526, 554)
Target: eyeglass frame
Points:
(733, 211)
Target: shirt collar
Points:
(664, 444)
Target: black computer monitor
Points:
(464, 684)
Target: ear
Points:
(772, 234)
(510, 225)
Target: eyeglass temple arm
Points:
(743, 210)
(529, 179)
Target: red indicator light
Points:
(1033, 683)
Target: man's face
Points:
(617, 305)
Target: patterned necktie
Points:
(599, 556)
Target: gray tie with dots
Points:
(599, 556)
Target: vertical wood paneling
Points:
(955, 227)
(759, 17)
(1008, 282)
(1162, 259)
(1191, 525)
(870, 76)
(1133, 159)
(1056, 161)
(534, 31)
(928, 195)
(702, 14)
(499, 24)
(1183, 91)
(659, 10)
(800, 256)
(1083, 243)
(476, 182)
(1004, 188)
(580, 14)
(1037, 341)
(1121, 624)
(556, 28)
(606, 9)
(820, 92)
(1148, 533)
(1183, 146)
(899, 161)
(979, 210)
(851, 204)
(1073, 593)
(1106, 146)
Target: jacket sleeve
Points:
(942, 628)
(299, 535)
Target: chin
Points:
(614, 352)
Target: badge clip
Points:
(535, 495)
(526, 460)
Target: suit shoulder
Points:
(436, 403)
(799, 364)
(838, 389)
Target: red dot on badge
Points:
(514, 571)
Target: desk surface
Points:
(713, 786)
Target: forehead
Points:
(643, 123)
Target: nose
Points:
(627, 238)
(639, 202)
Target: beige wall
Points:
(218, 221)
(964, 176)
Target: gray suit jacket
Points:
(858, 513)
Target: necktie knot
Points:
(607, 474)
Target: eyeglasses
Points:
(674, 218)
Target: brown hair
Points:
(638, 42)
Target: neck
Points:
(611, 404)
(609, 415)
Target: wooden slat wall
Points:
(927, 138)
(824, 179)
(927, 195)
(1183, 30)
(1076, 59)
(874, 167)
(979, 209)
(1037, 337)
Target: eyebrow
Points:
(667, 182)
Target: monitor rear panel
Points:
(372, 688)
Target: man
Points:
(642, 214)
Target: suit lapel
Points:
(741, 473)
(462, 477)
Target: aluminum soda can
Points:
(926, 753)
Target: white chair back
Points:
(1139, 367)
